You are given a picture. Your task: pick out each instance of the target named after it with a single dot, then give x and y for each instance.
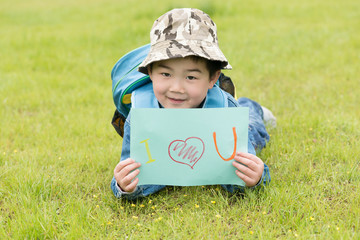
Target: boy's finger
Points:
(247, 162)
(249, 156)
(244, 169)
(247, 180)
(129, 177)
(122, 164)
(129, 168)
(131, 187)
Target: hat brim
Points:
(179, 49)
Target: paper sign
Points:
(188, 147)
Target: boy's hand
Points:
(125, 172)
(248, 167)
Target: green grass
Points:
(58, 149)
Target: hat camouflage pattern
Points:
(184, 32)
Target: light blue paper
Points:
(177, 146)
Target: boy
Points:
(184, 63)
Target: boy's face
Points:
(181, 82)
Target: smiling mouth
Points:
(176, 100)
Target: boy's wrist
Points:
(124, 192)
(257, 184)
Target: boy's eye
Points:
(190, 77)
(165, 74)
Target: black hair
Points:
(211, 66)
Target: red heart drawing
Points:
(187, 152)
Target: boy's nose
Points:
(177, 86)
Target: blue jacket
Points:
(257, 135)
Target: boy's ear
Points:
(149, 72)
(214, 78)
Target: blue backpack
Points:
(131, 88)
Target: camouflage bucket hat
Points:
(184, 32)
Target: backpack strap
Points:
(144, 97)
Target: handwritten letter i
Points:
(148, 151)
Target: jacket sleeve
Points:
(257, 138)
(125, 153)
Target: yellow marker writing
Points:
(148, 151)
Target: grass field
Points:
(58, 149)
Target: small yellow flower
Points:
(139, 225)
(59, 158)
(109, 223)
(185, 195)
(97, 206)
(135, 217)
(153, 207)
(312, 219)
(133, 205)
(94, 196)
(289, 230)
(263, 212)
(337, 228)
(150, 201)
(218, 215)
(251, 232)
(213, 202)
(197, 206)
(15, 151)
(121, 207)
(142, 205)
(248, 220)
